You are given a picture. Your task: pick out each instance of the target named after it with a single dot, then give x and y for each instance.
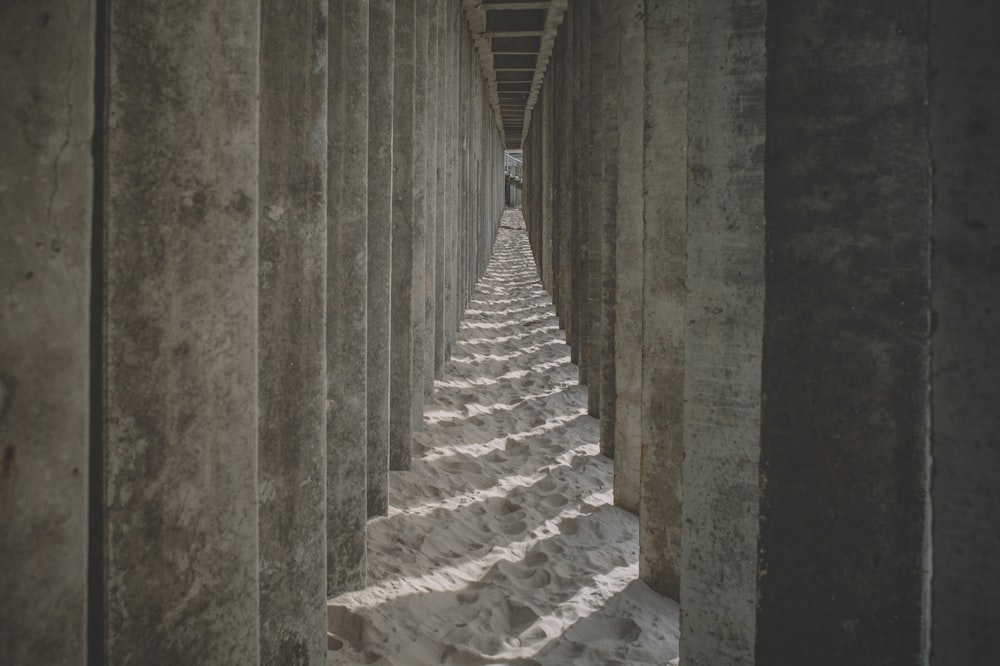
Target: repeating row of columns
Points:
(238, 238)
(792, 209)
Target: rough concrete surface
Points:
(347, 297)
(292, 333)
(844, 437)
(180, 325)
(722, 336)
(664, 237)
(965, 141)
(46, 186)
(628, 259)
(401, 344)
(380, 166)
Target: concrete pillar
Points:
(401, 344)
(292, 332)
(722, 338)
(608, 236)
(844, 445)
(563, 164)
(546, 194)
(804, 514)
(578, 333)
(347, 308)
(443, 21)
(430, 204)
(665, 225)
(965, 372)
(420, 211)
(457, 32)
(593, 195)
(46, 185)
(380, 167)
(180, 327)
(629, 257)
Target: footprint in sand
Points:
(463, 467)
(555, 501)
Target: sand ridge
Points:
(501, 545)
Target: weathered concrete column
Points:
(562, 165)
(965, 140)
(844, 447)
(46, 185)
(444, 22)
(629, 257)
(430, 203)
(347, 308)
(457, 31)
(722, 339)
(609, 228)
(401, 344)
(665, 227)
(804, 514)
(180, 326)
(292, 332)
(593, 196)
(421, 72)
(578, 333)
(380, 166)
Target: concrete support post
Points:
(578, 334)
(292, 332)
(592, 194)
(823, 486)
(965, 140)
(420, 210)
(547, 195)
(665, 225)
(609, 227)
(456, 30)
(401, 344)
(629, 257)
(46, 185)
(380, 167)
(563, 110)
(722, 338)
(844, 427)
(180, 325)
(347, 308)
(441, 189)
(430, 201)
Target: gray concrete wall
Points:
(401, 345)
(292, 332)
(180, 327)
(46, 186)
(965, 372)
(347, 277)
(664, 175)
(380, 167)
(629, 258)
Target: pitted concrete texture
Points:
(346, 316)
(180, 327)
(965, 140)
(292, 327)
(380, 139)
(421, 29)
(430, 204)
(846, 357)
(608, 229)
(722, 336)
(46, 75)
(665, 227)
(401, 344)
(628, 260)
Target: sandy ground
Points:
(502, 545)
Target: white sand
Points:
(502, 545)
